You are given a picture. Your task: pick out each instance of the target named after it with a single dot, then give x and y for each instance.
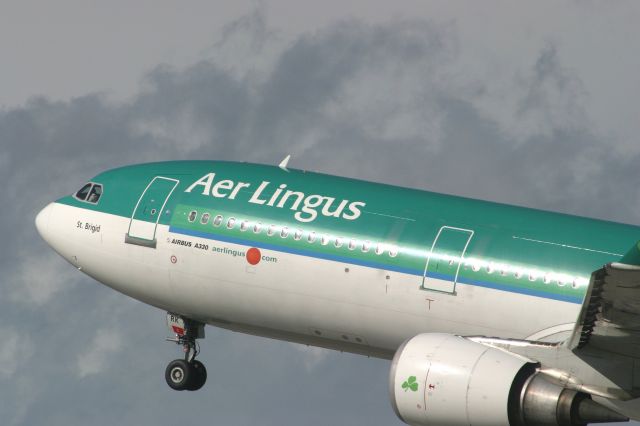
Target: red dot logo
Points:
(253, 256)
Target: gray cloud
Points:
(388, 102)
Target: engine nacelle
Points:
(442, 379)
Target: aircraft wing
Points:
(610, 316)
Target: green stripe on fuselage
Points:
(521, 237)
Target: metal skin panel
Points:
(133, 270)
(317, 293)
(317, 271)
(407, 383)
(457, 382)
(523, 239)
(292, 295)
(610, 318)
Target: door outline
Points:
(132, 239)
(471, 233)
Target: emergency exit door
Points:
(445, 259)
(149, 210)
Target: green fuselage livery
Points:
(438, 283)
(516, 249)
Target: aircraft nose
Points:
(42, 221)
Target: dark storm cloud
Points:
(389, 103)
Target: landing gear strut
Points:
(187, 373)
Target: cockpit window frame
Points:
(90, 192)
(75, 194)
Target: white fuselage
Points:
(292, 297)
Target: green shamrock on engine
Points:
(410, 383)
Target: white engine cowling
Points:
(442, 379)
(447, 380)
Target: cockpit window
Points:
(90, 193)
(95, 194)
(83, 192)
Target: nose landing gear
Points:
(183, 375)
(188, 373)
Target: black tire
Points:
(199, 376)
(179, 374)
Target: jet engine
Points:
(442, 379)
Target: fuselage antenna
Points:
(285, 162)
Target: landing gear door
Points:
(176, 324)
(445, 259)
(149, 210)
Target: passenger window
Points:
(393, 251)
(83, 192)
(217, 221)
(379, 249)
(244, 225)
(352, 244)
(297, 235)
(338, 242)
(312, 237)
(324, 240)
(95, 194)
(271, 230)
(231, 222)
(284, 232)
(257, 227)
(205, 218)
(366, 246)
(192, 216)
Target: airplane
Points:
(490, 314)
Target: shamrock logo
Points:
(410, 383)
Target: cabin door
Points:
(445, 259)
(149, 210)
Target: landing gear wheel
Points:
(187, 373)
(179, 374)
(199, 375)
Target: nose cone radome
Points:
(42, 222)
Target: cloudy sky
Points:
(534, 104)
